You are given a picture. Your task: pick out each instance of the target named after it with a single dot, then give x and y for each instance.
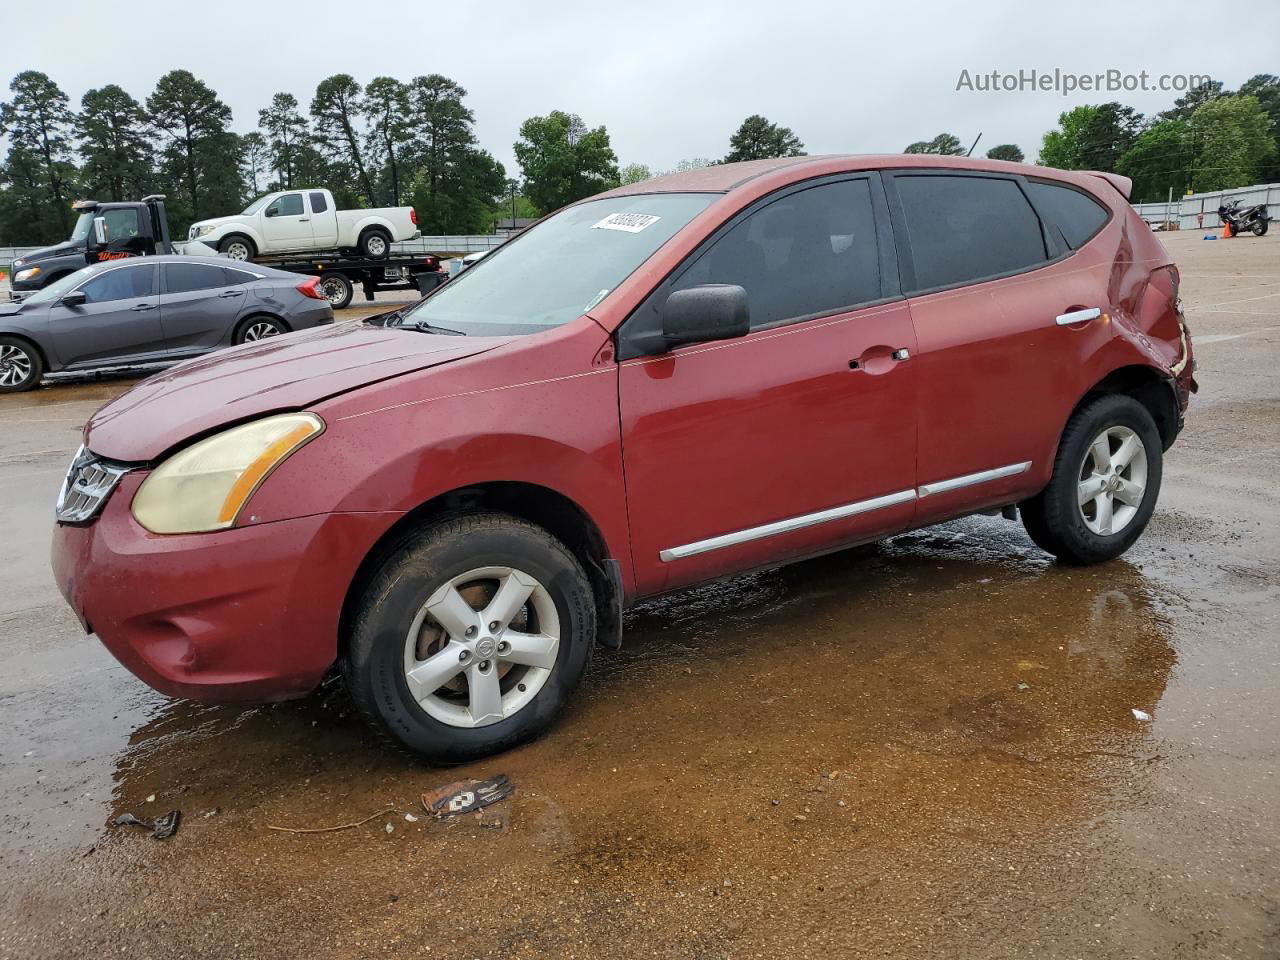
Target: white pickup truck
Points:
(296, 221)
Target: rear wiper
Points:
(422, 326)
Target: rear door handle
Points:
(232, 293)
(1078, 316)
(139, 307)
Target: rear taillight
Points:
(311, 288)
(413, 216)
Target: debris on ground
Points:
(340, 826)
(1141, 715)
(464, 796)
(161, 828)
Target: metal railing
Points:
(1185, 212)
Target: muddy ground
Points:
(923, 748)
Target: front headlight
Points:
(26, 274)
(197, 232)
(205, 486)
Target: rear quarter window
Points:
(964, 229)
(1072, 211)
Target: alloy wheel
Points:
(482, 646)
(261, 330)
(15, 365)
(1112, 480)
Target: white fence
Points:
(1185, 211)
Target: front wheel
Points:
(470, 638)
(1260, 228)
(1106, 479)
(21, 365)
(237, 247)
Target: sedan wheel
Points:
(20, 366)
(482, 646)
(261, 330)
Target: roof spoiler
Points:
(1123, 184)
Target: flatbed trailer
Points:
(340, 275)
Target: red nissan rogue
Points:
(671, 382)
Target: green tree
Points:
(1091, 137)
(758, 139)
(1189, 102)
(335, 113)
(1159, 161)
(634, 173)
(1006, 151)
(1234, 139)
(465, 199)
(386, 104)
(563, 161)
(26, 215)
(40, 125)
(114, 146)
(201, 154)
(1266, 88)
(255, 161)
(945, 144)
(287, 131)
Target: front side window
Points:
(804, 254)
(964, 229)
(289, 205)
(122, 283)
(187, 277)
(1077, 215)
(560, 269)
(318, 203)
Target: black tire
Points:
(375, 243)
(374, 659)
(21, 365)
(337, 289)
(232, 244)
(1054, 518)
(254, 328)
(1260, 228)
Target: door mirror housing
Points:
(271, 211)
(100, 231)
(712, 311)
(75, 298)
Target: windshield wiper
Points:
(423, 326)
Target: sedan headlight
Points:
(26, 274)
(205, 486)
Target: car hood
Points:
(217, 222)
(269, 376)
(47, 253)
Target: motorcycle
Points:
(1241, 219)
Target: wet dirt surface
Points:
(921, 748)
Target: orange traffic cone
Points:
(1226, 231)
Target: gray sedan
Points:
(150, 310)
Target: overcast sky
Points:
(669, 80)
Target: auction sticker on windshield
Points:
(626, 222)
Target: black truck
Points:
(113, 231)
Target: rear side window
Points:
(122, 283)
(1077, 215)
(804, 254)
(236, 277)
(318, 203)
(186, 277)
(964, 229)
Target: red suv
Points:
(668, 383)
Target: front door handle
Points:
(232, 293)
(879, 359)
(303, 219)
(1081, 315)
(139, 307)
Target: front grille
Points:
(89, 483)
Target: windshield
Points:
(84, 227)
(561, 268)
(256, 205)
(60, 286)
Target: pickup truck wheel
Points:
(337, 289)
(375, 244)
(237, 247)
(21, 365)
(1106, 480)
(470, 638)
(258, 328)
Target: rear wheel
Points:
(237, 247)
(337, 289)
(1105, 483)
(21, 365)
(470, 638)
(375, 244)
(258, 328)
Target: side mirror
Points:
(713, 311)
(271, 211)
(75, 298)
(100, 231)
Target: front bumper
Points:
(248, 614)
